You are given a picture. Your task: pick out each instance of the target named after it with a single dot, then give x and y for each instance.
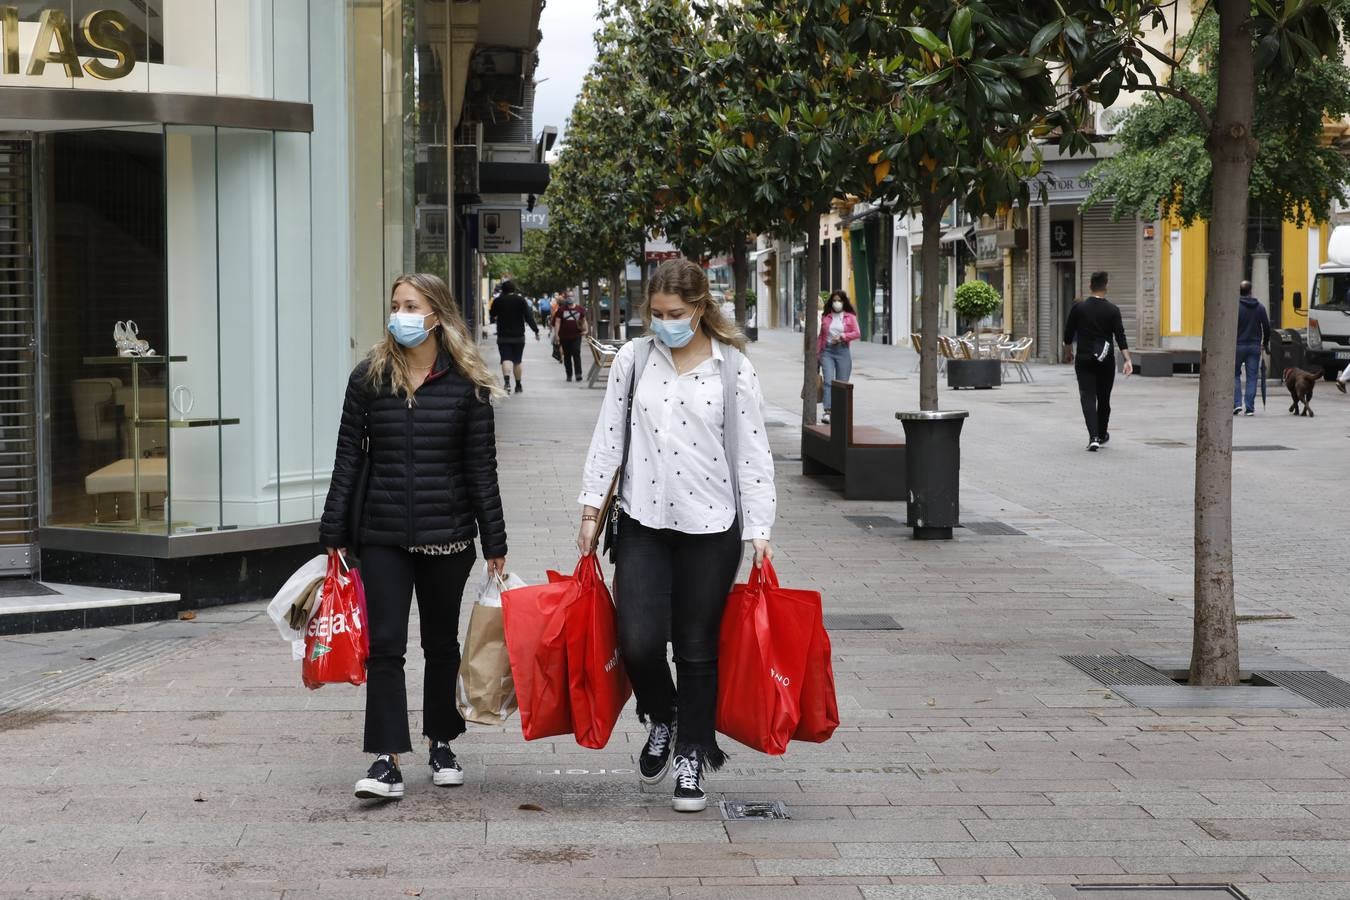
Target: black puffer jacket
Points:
(433, 465)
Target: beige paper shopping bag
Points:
(485, 691)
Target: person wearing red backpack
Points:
(681, 438)
(414, 481)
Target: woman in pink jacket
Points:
(838, 329)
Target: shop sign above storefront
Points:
(1061, 240)
(499, 230)
(103, 29)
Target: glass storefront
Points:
(195, 303)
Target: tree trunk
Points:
(1214, 653)
(811, 319)
(594, 304)
(618, 290)
(930, 302)
(740, 275)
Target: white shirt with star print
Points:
(678, 476)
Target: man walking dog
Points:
(1096, 327)
(1253, 339)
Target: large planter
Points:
(933, 472)
(974, 373)
(751, 333)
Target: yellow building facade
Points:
(1183, 257)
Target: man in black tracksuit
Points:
(512, 313)
(1094, 324)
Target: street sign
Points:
(499, 230)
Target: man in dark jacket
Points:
(1094, 324)
(511, 311)
(1253, 339)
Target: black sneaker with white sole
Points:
(689, 796)
(383, 780)
(654, 761)
(445, 769)
(1094, 445)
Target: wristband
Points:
(590, 518)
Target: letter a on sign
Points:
(54, 24)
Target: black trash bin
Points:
(1287, 351)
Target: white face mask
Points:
(837, 306)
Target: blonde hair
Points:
(686, 279)
(388, 359)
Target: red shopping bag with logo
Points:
(766, 638)
(598, 683)
(336, 640)
(563, 641)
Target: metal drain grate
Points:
(991, 528)
(1259, 447)
(1166, 443)
(1322, 688)
(754, 809)
(1160, 892)
(1118, 670)
(862, 622)
(875, 521)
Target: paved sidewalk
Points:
(185, 759)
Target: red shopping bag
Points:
(539, 670)
(819, 705)
(336, 640)
(766, 637)
(597, 680)
(563, 641)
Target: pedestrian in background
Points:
(418, 413)
(683, 422)
(1253, 339)
(838, 329)
(512, 313)
(1094, 324)
(569, 327)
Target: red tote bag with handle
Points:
(336, 640)
(598, 684)
(762, 655)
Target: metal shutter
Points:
(1047, 340)
(1110, 247)
(18, 444)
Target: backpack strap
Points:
(731, 367)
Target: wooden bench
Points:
(871, 460)
(602, 357)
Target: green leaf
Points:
(1044, 37)
(926, 39)
(962, 41)
(933, 78)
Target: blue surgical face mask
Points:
(674, 333)
(409, 329)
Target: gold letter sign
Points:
(104, 29)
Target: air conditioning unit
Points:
(497, 62)
(1106, 120)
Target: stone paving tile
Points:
(959, 892)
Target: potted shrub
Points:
(974, 301)
(751, 322)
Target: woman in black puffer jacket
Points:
(420, 406)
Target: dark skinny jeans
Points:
(390, 574)
(672, 586)
(1095, 380)
(571, 354)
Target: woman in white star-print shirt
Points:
(698, 483)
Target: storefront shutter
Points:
(1047, 339)
(18, 456)
(1111, 247)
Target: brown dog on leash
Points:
(1300, 384)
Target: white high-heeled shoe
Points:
(142, 347)
(122, 340)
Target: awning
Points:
(512, 177)
(866, 212)
(959, 233)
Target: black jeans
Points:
(1095, 380)
(390, 575)
(671, 586)
(571, 354)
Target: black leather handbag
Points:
(356, 504)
